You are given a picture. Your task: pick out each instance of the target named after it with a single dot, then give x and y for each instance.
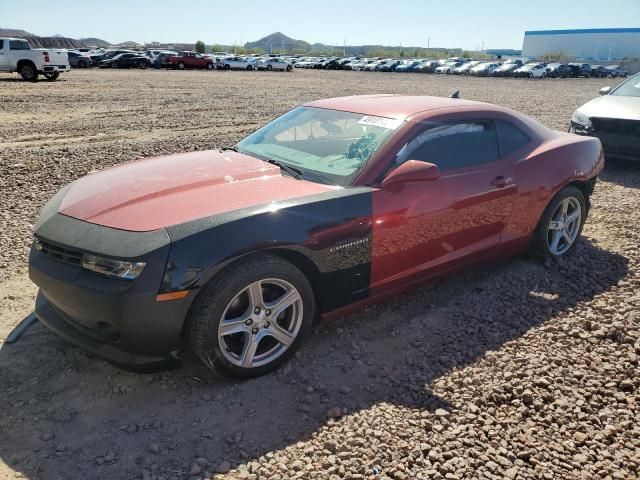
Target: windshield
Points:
(327, 146)
(630, 88)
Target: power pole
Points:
(344, 47)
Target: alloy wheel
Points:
(564, 226)
(260, 323)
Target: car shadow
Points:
(622, 172)
(69, 415)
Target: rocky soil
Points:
(522, 370)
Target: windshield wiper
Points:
(294, 172)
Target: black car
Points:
(126, 60)
(599, 71)
(389, 66)
(107, 55)
(558, 70)
(580, 70)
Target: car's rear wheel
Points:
(251, 318)
(249, 67)
(181, 66)
(288, 68)
(28, 72)
(52, 76)
(209, 66)
(561, 224)
(82, 64)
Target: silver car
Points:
(614, 118)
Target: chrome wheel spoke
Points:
(235, 325)
(573, 216)
(555, 241)
(567, 237)
(281, 334)
(282, 303)
(249, 349)
(565, 208)
(554, 225)
(255, 295)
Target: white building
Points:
(586, 44)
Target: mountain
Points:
(95, 42)
(279, 41)
(41, 42)
(14, 32)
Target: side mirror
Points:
(605, 90)
(412, 171)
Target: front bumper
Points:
(619, 138)
(116, 319)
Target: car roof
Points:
(393, 106)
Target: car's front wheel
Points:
(561, 224)
(251, 318)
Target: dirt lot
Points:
(522, 370)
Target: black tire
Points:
(289, 68)
(269, 67)
(52, 76)
(28, 72)
(226, 66)
(539, 246)
(209, 66)
(249, 67)
(181, 66)
(208, 310)
(142, 65)
(82, 64)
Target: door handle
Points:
(501, 182)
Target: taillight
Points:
(46, 56)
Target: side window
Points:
(18, 45)
(1, 44)
(454, 145)
(510, 138)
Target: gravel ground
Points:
(520, 370)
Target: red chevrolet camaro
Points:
(334, 205)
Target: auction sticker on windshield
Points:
(389, 123)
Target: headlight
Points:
(112, 268)
(581, 119)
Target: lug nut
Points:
(248, 322)
(267, 312)
(267, 324)
(256, 310)
(254, 331)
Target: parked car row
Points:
(462, 66)
(518, 68)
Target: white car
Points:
(465, 67)
(274, 64)
(234, 63)
(484, 69)
(16, 55)
(531, 70)
(447, 68)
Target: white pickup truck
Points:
(16, 55)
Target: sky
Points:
(436, 23)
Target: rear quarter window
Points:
(510, 138)
(18, 45)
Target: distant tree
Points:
(200, 48)
(401, 53)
